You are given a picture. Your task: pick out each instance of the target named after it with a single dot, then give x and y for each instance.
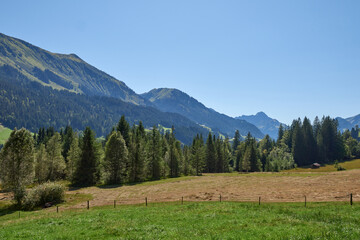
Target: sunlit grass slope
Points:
(209, 220)
(4, 134)
(348, 165)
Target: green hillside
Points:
(62, 71)
(28, 104)
(4, 134)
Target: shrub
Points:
(44, 193)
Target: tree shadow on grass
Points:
(110, 186)
(6, 209)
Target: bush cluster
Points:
(49, 192)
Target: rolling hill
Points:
(176, 101)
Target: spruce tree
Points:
(154, 155)
(198, 154)
(210, 157)
(68, 138)
(298, 143)
(310, 146)
(137, 155)
(74, 155)
(219, 155)
(87, 170)
(280, 134)
(227, 155)
(236, 141)
(173, 156)
(124, 128)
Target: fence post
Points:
(145, 201)
(305, 201)
(259, 200)
(114, 203)
(88, 204)
(351, 200)
(220, 197)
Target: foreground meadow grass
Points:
(201, 220)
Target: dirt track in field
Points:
(271, 187)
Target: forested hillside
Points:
(28, 104)
(62, 71)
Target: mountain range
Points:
(39, 88)
(176, 101)
(348, 123)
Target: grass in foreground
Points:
(206, 220)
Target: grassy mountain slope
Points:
(28, 104)
(62, 71)
(4, 134)
(266, 124)
(176, 101)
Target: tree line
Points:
(135, 154)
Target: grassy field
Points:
(206, 220)
(4, 134)
(281, 215)
(348, 165)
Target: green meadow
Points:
(200, 220)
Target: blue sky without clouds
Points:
(289, 59)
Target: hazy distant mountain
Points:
(62, 71)
(266, 124)
(348, 123)
(176, 101)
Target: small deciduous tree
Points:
(41, 164)
(56, 163)
(17, 161)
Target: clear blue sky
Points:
(289, 59)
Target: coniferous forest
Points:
(135, 154)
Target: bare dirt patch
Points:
(271, 187)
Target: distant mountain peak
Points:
(176, 101)
(261, 114)
(266, 124)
